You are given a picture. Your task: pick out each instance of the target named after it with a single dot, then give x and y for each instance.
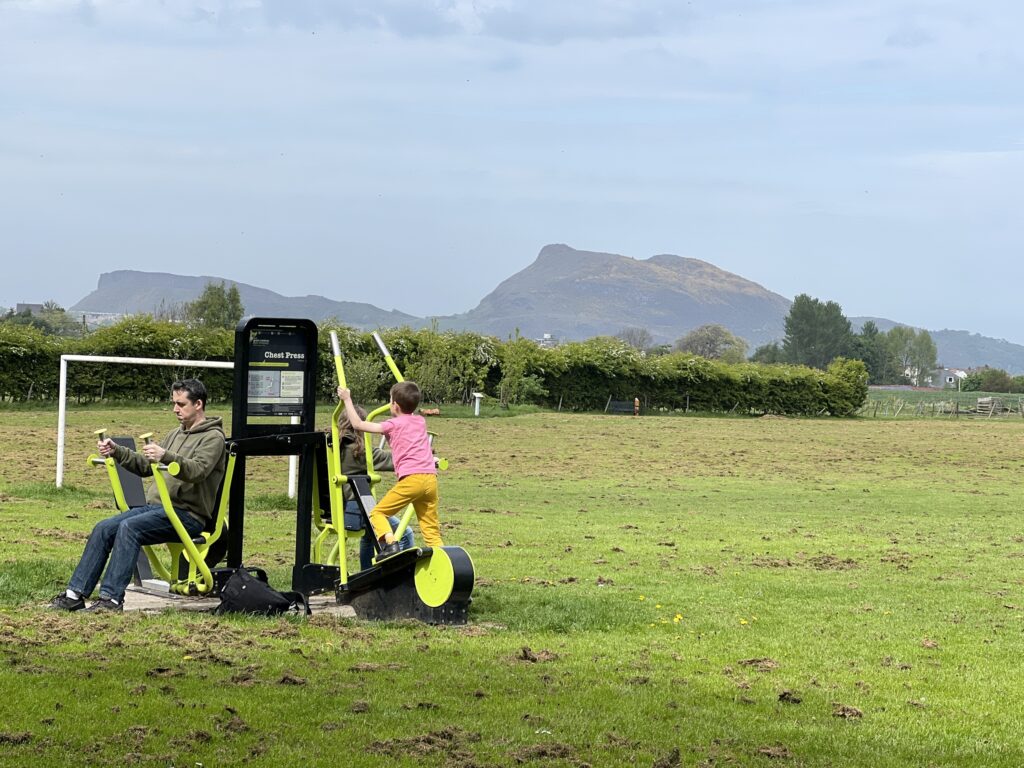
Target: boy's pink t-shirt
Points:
(410, 445)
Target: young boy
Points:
(414, 466)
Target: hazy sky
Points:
(414, 154)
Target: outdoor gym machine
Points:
(191, 558)
(430, 584)
(274, 387)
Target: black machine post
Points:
(275, 380)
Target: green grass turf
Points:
(651, 592)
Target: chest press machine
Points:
(275, 377)
(275, 386)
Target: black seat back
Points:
(323, 478)
(363, 492)
(131, 484)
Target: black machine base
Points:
(388, 591)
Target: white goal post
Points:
(62, 408)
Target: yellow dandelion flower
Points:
(743, 621)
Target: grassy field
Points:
(653, 592)
(920, 402)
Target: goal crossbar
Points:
(62, 408)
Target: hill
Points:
(579, 294)
(130, 292)
(565, 292)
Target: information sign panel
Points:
(277, 372)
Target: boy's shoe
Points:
(390, 549)
(104, 604)
(64, 603)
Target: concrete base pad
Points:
(149, 601)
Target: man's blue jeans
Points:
(366, 552)
(121, 538)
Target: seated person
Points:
(197, 445)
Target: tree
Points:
(173, 312)
(638, 338)
(914, 352)
(216, 307)
(450, 366)
(871, 346)
(924, 357)
(713, 342)
(899, 340)
(768, 354)
(522, 370)
(52, 320)
(988, 380)
(366, 377)
(659, 350)
(816, 332)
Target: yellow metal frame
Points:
(199, 580)
(337, 479)
(336, 525)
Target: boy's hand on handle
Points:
(105, 447)
(345, 394)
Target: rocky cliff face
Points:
(578, 294)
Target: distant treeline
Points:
(449, 366)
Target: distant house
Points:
(917, 377)
(547, 341)
(948, 378)
(31, 309)
(97, 319)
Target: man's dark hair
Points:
(407, 395)
(193, 389)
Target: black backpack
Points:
(245, 593)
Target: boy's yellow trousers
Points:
(421, 492)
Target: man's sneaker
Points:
(104, 604)
(64, 603)
(389, 549)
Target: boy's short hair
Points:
(407, 394)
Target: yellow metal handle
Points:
(387, 357)
(339, 366)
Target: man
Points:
(197, 445)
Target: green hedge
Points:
(449, 366)
(588, 373)
(29, 363)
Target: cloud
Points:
(992, 163)
(551, 23)
(527, 21)
(908, 36)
